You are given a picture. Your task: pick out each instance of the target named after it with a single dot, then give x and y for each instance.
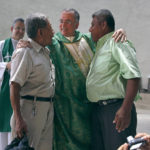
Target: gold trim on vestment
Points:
(82, 54)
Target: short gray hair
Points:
(35, 22)
(76, 13)
(105, 15)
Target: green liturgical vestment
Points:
(72, 129)
(5, 106)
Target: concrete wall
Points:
(131, 15)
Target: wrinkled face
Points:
(47, 34)
(96, 29)
(68, 24)
(18, 30)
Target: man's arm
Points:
(123, 115)
(21, 127)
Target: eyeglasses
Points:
(66, 21)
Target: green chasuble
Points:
(5, 105)
(72, 118)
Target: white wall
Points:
(131, 15)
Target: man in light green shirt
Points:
(112, 84)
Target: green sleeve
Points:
(91, 43)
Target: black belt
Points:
(109, 101)
(44, 99)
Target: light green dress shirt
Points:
(113, 64)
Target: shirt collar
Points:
(62, 38)
(70, 38)
(103, 39)
(35, 45)
(14, 42)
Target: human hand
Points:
(122, 119)
(123, 147)
(8, 66)
(21, 127)
(146, 137)
(120, 34)
(23, 44)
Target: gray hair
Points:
(35, 22)
(17, 20)
(76, 14)
(105, 15)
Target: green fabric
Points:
(72, 129)
(5, 105)
(111, 66)
(7, 50)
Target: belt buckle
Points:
(104, 103)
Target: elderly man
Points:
(32, 85)
(72, 53)
(6, 49)
(112, 85)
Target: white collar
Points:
(35, 45)
(70, 38)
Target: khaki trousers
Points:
(40, 125)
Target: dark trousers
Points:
(104, 134)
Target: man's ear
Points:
(11, 28)
(39, 36)
(104, 25)
(77, 25)
(39, 32)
